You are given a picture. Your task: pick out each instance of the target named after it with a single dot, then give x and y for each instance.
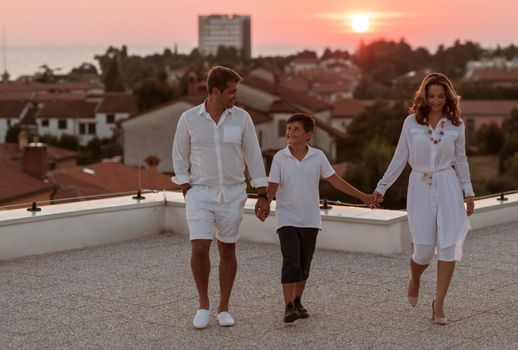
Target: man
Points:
(213, 142)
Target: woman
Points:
(433, 142)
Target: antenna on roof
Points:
(5, 75)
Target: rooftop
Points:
(139, 294)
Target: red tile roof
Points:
(283, 106)
(117, 103)
(16, 95)
(496, 75)
(488, 107)
(63, 109)
(12, 108)
(11, 151)
(287, 94)
(258, 117)
(60, 87)
(331, 130)
(107, 178)
(15, 183)
(297, 83)
(348, 108)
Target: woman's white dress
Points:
(440, 172)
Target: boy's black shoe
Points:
(303, 313)
(290, 315)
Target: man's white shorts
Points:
(204, 214)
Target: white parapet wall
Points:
(492, 211)
(91, 223)
(79, 225)
(343, 228)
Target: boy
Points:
(294, 176)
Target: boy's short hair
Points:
(308, 121)
(219, 76)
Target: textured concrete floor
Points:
(140, 295)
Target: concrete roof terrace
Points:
(139, 294)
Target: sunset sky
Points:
(274, 22)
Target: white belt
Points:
(428, 174)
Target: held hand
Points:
(262, 209)
(470, 205)
(378, 197)
(370, 200)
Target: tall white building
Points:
(224, 30)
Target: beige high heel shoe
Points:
(411, 300)
(438, 320)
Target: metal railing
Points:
(324, 203)
(33, 206)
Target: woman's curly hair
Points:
(451, 108)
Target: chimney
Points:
(35, 160)
(192, 84)
(23, 140)
(152, 162)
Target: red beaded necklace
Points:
(441, 133)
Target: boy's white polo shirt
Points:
(298, 199)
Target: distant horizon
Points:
(26, 59)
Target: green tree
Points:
(510, 146)
(382, 119)
(70, 142)
(46, 74)
(11, 135)
(151, 92)
(113, 81)
(490, 139)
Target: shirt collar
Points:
(203, 109)
(311, 152)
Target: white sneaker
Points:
(201, 320)
(225, 320)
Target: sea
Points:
(27, 60)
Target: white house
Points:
(151, 133)
(269, 108)
(85, 118)
(112, 109)
(11, 112)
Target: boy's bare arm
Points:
(272, 190)
(345, 187)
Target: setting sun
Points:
(360, 22)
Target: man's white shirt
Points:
(214, 155)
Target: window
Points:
(86, 128)
(282, 128)
(62, 124)
(110, 119)
(45, 122)
(82, 129)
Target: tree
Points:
(365, 174)
(70, 142)
(510, 146)
(46, 74)
(490, 139)
(151, 92)
(382, 119)
(113, 80)
(11, 135)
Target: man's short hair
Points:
(308, 122)
(219, 76)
